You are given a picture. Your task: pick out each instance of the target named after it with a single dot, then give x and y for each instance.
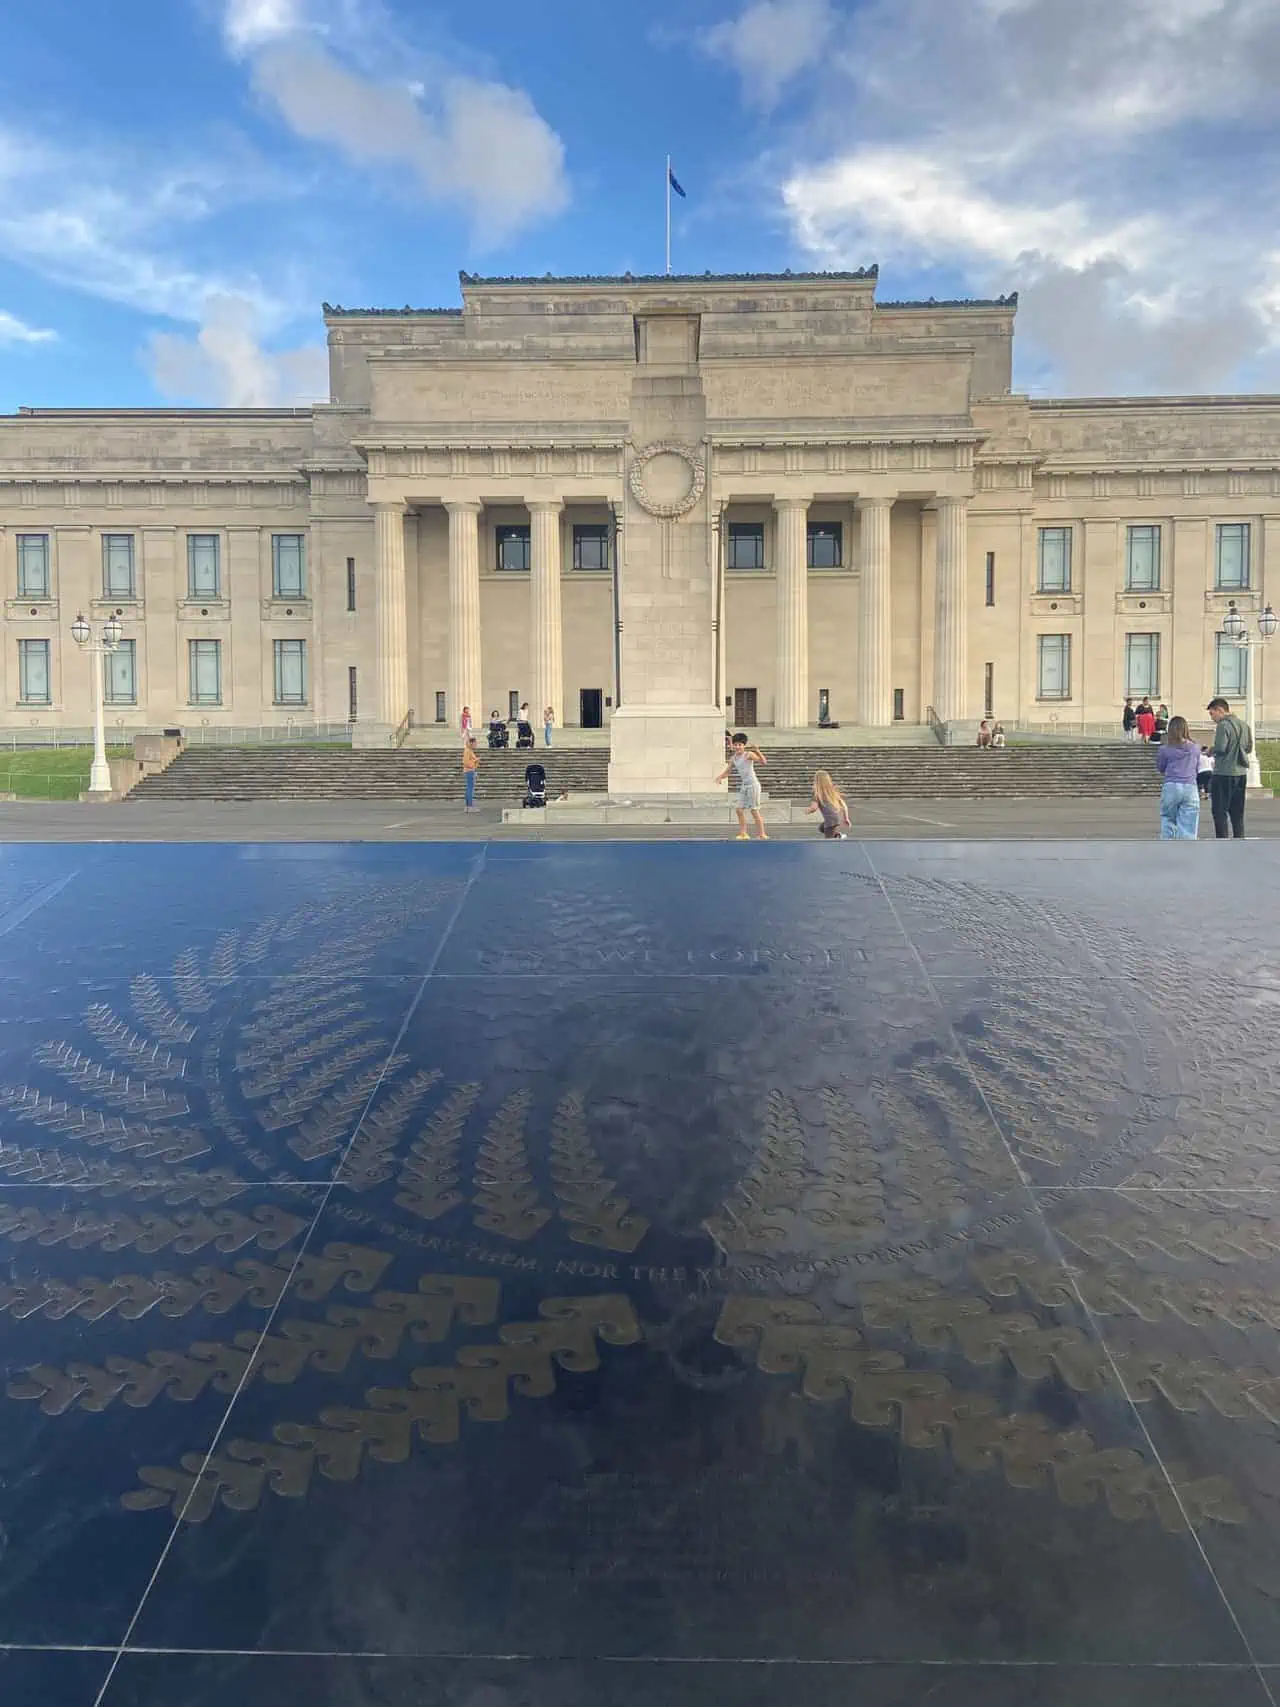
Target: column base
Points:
(665, 749)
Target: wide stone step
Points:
(1062, 770)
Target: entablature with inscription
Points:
(158, 491)
(1178, 480)
(503, 460)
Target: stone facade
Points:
(881, 525)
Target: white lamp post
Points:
(1235, 626)
(97, 646)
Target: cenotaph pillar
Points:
(667, 734)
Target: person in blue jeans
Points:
(1178, 760)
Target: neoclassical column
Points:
(875, 656)
(546, 657)
(791, 682)
(393, 638)
(465, 686)
(951, 622)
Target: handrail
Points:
(402, 729)
(938, 726)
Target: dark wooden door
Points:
(744, 708)
(590, 708)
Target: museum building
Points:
(891, 531)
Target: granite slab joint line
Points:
(1054, 1247)
(19, 915)
(326, 1191)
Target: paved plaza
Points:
(1100, 819)
(537, 1275)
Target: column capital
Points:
(544, 506)
(389, 506)
(463, 506)
(875, 503)
(792, 503)
(950, 505)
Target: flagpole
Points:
(668, 185)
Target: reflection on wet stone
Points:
(699, 1297)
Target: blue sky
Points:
(182, 182)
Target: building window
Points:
(1231, 668)
(353, 694)
(591, 545)
(1142, 561)
(1231, 572)
(290, 671)
(991, 577)
(989, 690)
(746, 545)
(1055, 560)
(1053, 659)
(33, 672)
(122, 674)
(117, 566)
(351, 583)
(287, 574)
(204, 576)
(441, 713)
(204, 669)
(33, 566)
(825, 545)
(1141, 665)
(514, 547)
(899, 705)
(513, 704)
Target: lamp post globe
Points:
(80, 630)
(1268, 622)
(111, 633)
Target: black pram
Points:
(535, 785)
(524, 734)
(499, 734)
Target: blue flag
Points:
(674, 185)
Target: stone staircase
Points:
(1064, 769)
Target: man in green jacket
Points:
(1232, 744)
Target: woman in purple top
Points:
(1177, 760)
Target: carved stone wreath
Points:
(655, 479)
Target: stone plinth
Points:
(656, 749)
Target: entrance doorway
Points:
(744, 708)
(591, 708)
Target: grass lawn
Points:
(1269, 759)
(50, 773)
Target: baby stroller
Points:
(499, 734)
(524, 734)
(535, 785)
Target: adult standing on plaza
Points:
(548, 724)
(466, 723)
(470, 765)
(1129, 721)
(1178, 761)
(1232, 744)
(1146, 720)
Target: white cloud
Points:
(225, 364)
(112, 225)
(15, 331)
(469, 141)
(770, 42)
(250, 23)
(1115, 160)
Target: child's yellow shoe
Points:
(742, 836)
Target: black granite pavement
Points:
(531, 1276)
